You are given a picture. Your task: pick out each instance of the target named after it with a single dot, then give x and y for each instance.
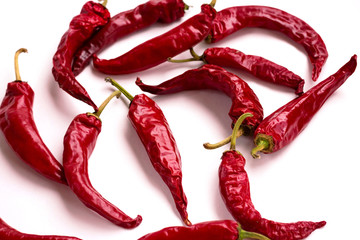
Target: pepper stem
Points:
(103, 105)
(260, 145)
(253, 235)
(213, 2)
(121, 89)
(104, 2)
(16, 63)
(223, 142)
(236, 129)
(195, 57)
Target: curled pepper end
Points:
(227, 140)
(16, 63)
(253, 235)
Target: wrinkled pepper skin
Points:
(79, 143)
(9, 233)
(212, 230)
(125, 23)
(233, 19)
(282, 126)
(208, 76)
(157, 50)
(235, 191)
(82, 27)
(20, 131)
(153, 129)
(257, 66)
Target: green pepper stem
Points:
(236, 129)
(253, 235)
(104, 2)
(260, 145)
(222, 142)
(213, 2)
(118, 86)
(195, 57)
(103, 105)
(16, 63)
(186, 7)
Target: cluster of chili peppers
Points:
(93, 30)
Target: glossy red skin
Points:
(20, 131)
(233, 19)
(79, 142)
(157, 50)
(257, 66)
(212, 230)
(208, 76)
(124, 23)
(81, 28)
(287, 122)
(9, 233)
(235, 191)
(154, 132)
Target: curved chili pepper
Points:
(235, 191)
(82, 27)
(233, 19)
(216, 78)
(257, 66)
(79, 142)
(127, 22)
(285, 124)
(20, 131)
(211, 230)
(153, 129)
(157, 50)
(9, 233)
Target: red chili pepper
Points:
(157, 50)
(235, 191)
(79, 142)
(82, 27)
(216, 78)
(233, 19)
(127, 22)
(285, 124)
(9, 233)
(155, 134)
(19, 128)
(211, 230)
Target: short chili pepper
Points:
(20, 131)
(211, 230)
(82, 27)
(286, 123)
(79, 142)
(125, 23)
(157, 50)
(232, 19)
(259, 67)
(154, 131)
(9, 233)
(216, 78)
(235, 191)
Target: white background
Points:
(315, 178)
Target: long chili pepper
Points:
(157, 50)
(127, 22)
(285, 124)
(9, 233)
(216, 78)
(20, 131)
(82, 27)
(235, 191)
(233, 19)
(153, 129)
(211, 230)
(257, 66)
(79, 142)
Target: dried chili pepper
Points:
(153, 129)
(216, 78)
(127, 22)
(211, 230)
(257, 66)
(285, 124)
(20, 131)
(233, 19)
(91, 18)
(157, 50)
(235, 191)
(79, 142)
(9, 233)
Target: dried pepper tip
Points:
(103, 105)
(210, 146)
(121, 89)
(263, 143)
(16, 63)
(253, 235)
(187, 222)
